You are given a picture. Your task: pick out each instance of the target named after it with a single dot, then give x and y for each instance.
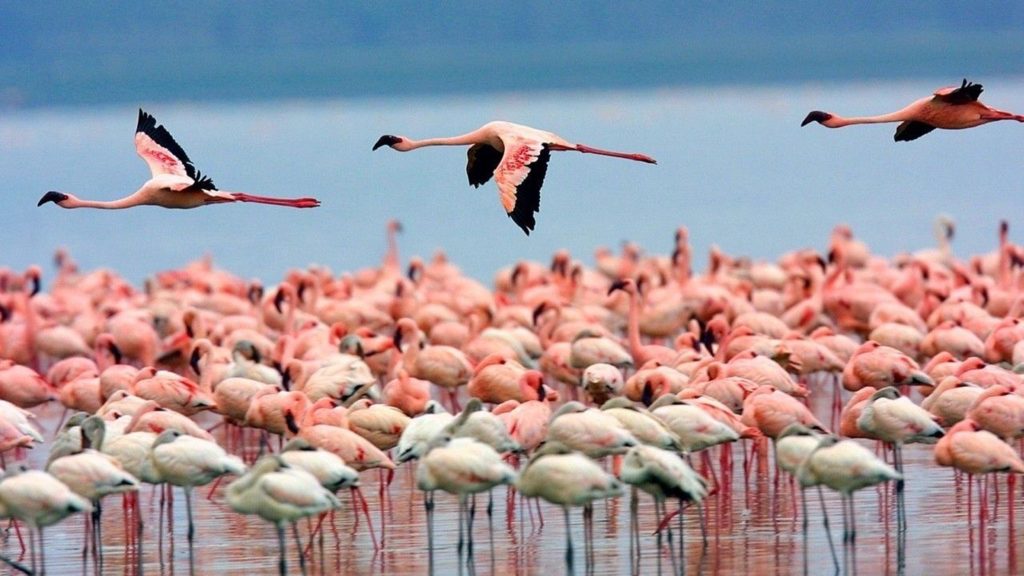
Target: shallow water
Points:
(755, 530)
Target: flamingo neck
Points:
(839, 121)
(101, 204)
(412, 351)
(633, 327)
(474, 137)
(391, 260)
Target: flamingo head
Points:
(389, 140)
(817, 116)
(55, 197)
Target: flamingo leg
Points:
(298, 548)
(568, 541)
(191, 529)
(428, 506)
(591, 150)
(828, 531)
(282, 564)
(292, 202)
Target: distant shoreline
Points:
(361, 72)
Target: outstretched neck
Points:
(474, 137)
(839, 121)
(101, 204)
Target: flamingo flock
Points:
(563, 383)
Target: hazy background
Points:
(287, 98)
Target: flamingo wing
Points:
(519, 177)
(163, 154)
(911, 130)
(967, 92)
(483, 160)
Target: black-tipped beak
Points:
(193, 361)
(538, 311)
(278, 298)
(816, 116)
(115, 352)
(397, 340)
(52, 196)
(289, 420)
(541, 393)
(647, 396)
(36, 286)
(617, 285)
(386, 140)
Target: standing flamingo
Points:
(39, 500)
(561, 476)
(176, 182)
(189, 462)
(516, 155)
(951, 108)
(462, 466)
(279, 493)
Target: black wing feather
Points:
(911, 130)
(528, 193)
(483, 160)
(967, 92)
(147, 125)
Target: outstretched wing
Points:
(911, 130)
(483, 161)
(967, 92)
(519, 177)
(163, 155)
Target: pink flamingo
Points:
(951, 108)
(641, 353)
(516, 155)
(408, 394)
(444, 366)
(176, 183)
(497, 379)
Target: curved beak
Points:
(52, 196)
(386, 140)
(816, 116)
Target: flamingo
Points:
(662, 474)
(421, 429)
(92, 475)
(39, 500)
(188, 462)
(279, 493)
(951, 108)
(460, 466)
(516, 155)
(176, 182)
(566, 478)
(846, 467)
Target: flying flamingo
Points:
(951, 108)
(176, 182)
(516, 155)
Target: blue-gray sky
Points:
(59, 52)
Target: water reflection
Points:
(753, 524)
